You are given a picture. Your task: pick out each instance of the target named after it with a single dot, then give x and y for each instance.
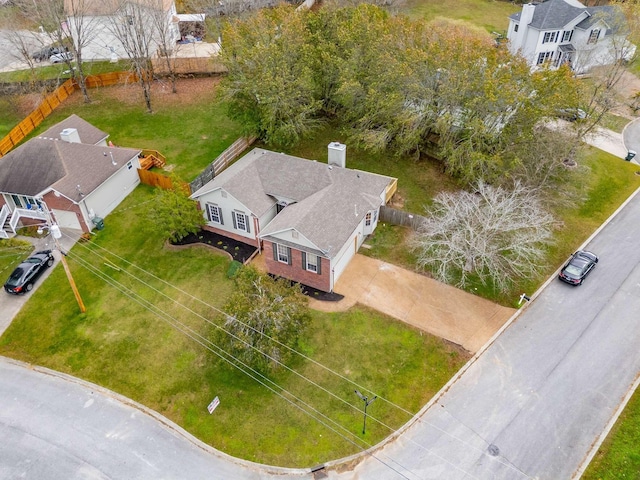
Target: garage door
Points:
(67, 219)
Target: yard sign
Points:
(212, 406)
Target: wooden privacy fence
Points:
(35, 118)
(398, 217)
(157, 180)
(189, 65)
(51, 102)
(222, 162)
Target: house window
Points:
(550, 37)
(515, 27)
(241, 221)
(544, 57)
(311, 262)
(16, 201)
(214, 213)
(566, 36)
(367, 219)
(129, 166)
(282, 253)
(593, 36)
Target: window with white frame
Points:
(544, 57)
(567, 36)
(282, 253)
(241, 221)
(214, 213)
(367, 219)
(593, 36)
(550, 37)
(515, 27)
(312, 262)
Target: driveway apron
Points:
(431, 306)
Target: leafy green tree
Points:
(173, 214)
(265, 316)
(270, 85)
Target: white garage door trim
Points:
(67, 219)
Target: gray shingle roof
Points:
(329, 202)
(43, 163)
(554, 14)
(87, 132)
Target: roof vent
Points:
(337, 154)
(70, 135)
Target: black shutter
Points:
(233, 216)
(208, 213)
(275, 251)
(304, 260)
(319, 263)
(289, 255)
(246, 222)
(220, 215)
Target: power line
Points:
(207, 344)
(315, 362)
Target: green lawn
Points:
(10, 115)
(490, 15)
(191, 130)
(48, 71)
(125, 346)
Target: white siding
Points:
(228, 205)
(289, 236)
(109, 195)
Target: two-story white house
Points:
(102, 22)
(556, 32)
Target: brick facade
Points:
(228, 234)
(295, 271)
(63, 203)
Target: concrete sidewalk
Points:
(422, 302)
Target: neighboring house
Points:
(100, 17)
(308, 218)
(555, 32)
(70, 170)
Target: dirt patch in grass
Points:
(189, 91)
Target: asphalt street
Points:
(535, 402)
(10, 58)
(631, 136)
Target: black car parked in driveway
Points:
(578, 267)
(25, 274)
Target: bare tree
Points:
(131, 24)
(166, 35)
(492, 233)
(65, 23)
(23, 45)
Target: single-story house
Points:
(556, 32)
(70, 171)
(308, 218)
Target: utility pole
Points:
(56, 234)
(367, 402)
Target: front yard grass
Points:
(490, 15)
(123, 346)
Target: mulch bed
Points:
(242, 252)
(239, 251)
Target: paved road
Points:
(10, 58)
(544, 391)
(57, 427)
(631, 136)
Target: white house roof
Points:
(328, 202)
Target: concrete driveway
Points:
(10, 305)
(422, 302)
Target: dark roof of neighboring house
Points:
(556, 14)
(88, 133)
(327, 203)
(42, 163)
